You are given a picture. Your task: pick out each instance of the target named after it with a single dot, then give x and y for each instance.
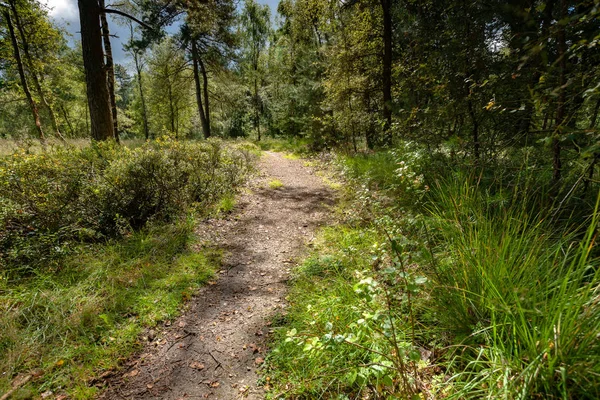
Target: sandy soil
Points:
(216, 347)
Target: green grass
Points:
(226, 204)
(312, 356)
(518, 296)
(275, 184)
(292, 156)
(506, 301)
(86, 318)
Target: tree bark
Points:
(95, 75)
(561, 107)
(203, 117)
(110, 70)
(138, 69)
(256, 109)
(17, 53)
(475, 131)
(67, 120)
(33, 73)
(387, 71)
(171, 105)
(206, 103)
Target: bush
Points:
(50, 200)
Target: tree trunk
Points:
(171, 105)
(138, 69)
(206, 103)
(370, 131)
(67, 120)
(561, 107)
(110, 70)
(34, 109)
(387, 71)
(95, 74)
(475, 131)
(32, 72)
(256, 110)
(203, 119)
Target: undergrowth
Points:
(441, 283)
(96, 246)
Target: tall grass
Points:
(520, 298)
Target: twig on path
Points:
(217, 361)
(177, 340)
(229, 269)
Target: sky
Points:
(66, 15)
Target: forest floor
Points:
(215, 349)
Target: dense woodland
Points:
(479, 78)
(467, 133)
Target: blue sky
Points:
(65, 14)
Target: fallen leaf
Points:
(197, 365)
(37, 373)
(47, 394)
(214, 384)
(131, 374)
(259, 360)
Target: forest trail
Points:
(215, 348)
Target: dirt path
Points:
(213, 350)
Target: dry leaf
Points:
(197, 365)
(131, 374)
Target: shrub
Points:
(50, 200)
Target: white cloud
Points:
(62, 9)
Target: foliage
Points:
(55, 199)
(339, 336)
(491, 290)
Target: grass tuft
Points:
(275, 184)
